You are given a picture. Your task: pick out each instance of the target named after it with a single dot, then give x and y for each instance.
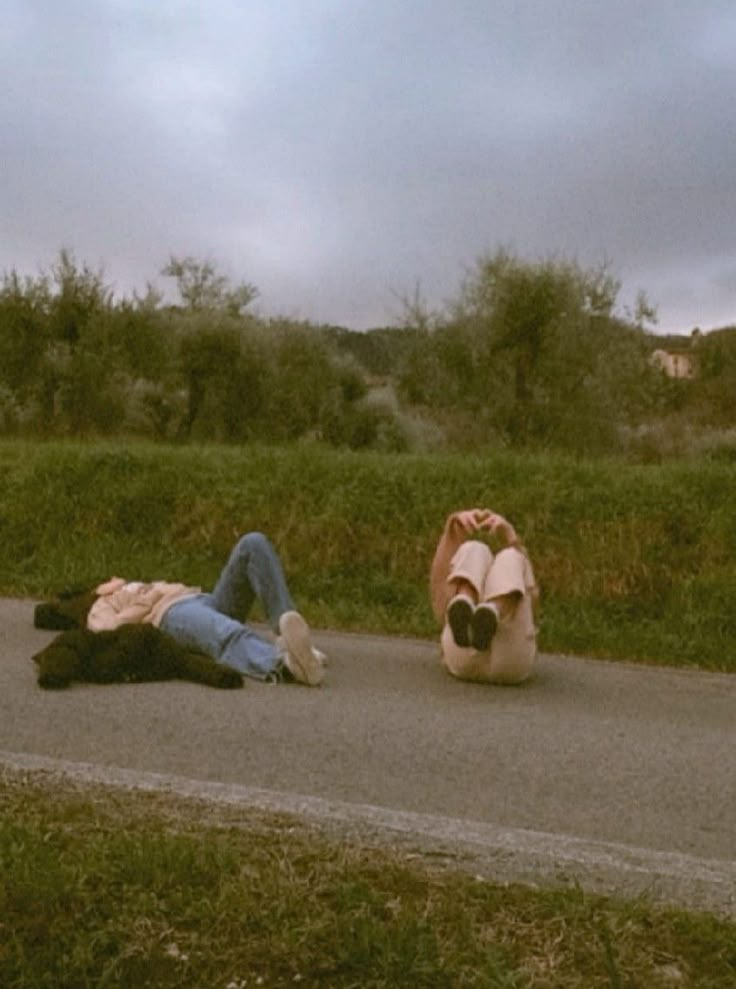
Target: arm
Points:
(458, 527)
(509, 534)
(123, 607)
(500, 526)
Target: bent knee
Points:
(254, 542)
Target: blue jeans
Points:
(215, 623)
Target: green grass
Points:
(103, 888)
(634, 562)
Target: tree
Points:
(201, 288)
(305, 377)
(713, 391)
(531, 352)
(78, 295)
(209, 358)
(539, 318)
(24, 331)
(55, 345)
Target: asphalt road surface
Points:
(615, 776)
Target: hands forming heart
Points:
(483, 519)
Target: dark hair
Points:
(68, 610)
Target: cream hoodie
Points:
(121, 602)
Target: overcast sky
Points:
(338, 153)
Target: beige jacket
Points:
(121, 602)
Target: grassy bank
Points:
(109, 889)
(633, 562)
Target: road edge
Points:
(491, 853)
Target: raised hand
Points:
(470, 520)
(497, 524)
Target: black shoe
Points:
(483, 627)
(459, 617)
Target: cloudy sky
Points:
(340, 153)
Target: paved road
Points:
(625, 763)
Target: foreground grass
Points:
(100, 888)
(633, 562)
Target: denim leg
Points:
(253, 570)
(196, 623)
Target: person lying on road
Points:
(213, 623)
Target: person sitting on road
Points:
(485, 601)
(214, 623)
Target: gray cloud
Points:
(337, 154)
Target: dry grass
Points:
(102, 888)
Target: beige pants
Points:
(514, 646)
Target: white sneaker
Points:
(302, 660)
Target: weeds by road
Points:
(100, 888)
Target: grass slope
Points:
(100, 888)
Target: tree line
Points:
(529, 353)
